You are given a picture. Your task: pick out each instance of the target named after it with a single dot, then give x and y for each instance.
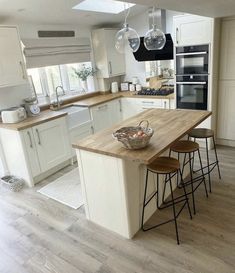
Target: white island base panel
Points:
(113, 191)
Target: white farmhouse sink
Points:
(77, 115)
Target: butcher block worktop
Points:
(93, 101)
(44, 116)
(169, 126)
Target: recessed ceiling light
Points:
(105, 6)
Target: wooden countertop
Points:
(98, 99)
(44, 116)
(169, 126)
(48, 115)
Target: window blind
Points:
(54, 51)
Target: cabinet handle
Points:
(165, 104)
(22, 68)
(120, 105)
(102, 107)
(92, 129)
(148, 102)
(39, 140)
(30, 139)
(177, 32)
(110, 68)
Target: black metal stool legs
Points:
(216, 157)
(192, 186)
(203, 176)
(208, 164)
(174, 212)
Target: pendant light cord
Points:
(127, 10)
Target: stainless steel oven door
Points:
(192, 95)
(192, 63)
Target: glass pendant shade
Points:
(154, 39)
(127, 39)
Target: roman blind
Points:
(54, 51)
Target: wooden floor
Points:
(40, 235)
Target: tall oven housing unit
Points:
(196, 51)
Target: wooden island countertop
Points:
(169, 126)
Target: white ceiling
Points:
(210, 8)
(56, 12)
(60, 11)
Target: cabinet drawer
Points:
(150, 103)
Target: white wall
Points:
(141, 24)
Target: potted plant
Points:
(83, 73)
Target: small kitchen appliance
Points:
(31, 106)
(13, 115)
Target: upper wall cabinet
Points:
(192, 30)
(227, 53)
(109, 62)
(12, 65)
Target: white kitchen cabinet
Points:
(226, 110)
(12, 65)
(36, 152)
(109, 62)
(227, 53)
(52, 143)
(129, 107)
(80, 132)
(115, 111)
(31, 151)
(192, 30)
(106, 114)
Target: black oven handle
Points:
(203, 83)
(192, 53)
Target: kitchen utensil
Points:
(124, 86)
(132, 87)
(114, 87)
(13, 115)
(31, 106)
(134, 138)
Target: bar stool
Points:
(188, 147)
(201, 133)
(169, 167)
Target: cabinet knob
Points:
(30, 139)
(177, 32)
(110, 68)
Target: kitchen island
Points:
(112, 177)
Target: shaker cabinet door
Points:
(31, 151)
(12, 66)
(52, 140)
(226, 110)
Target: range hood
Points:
(143, 54)
(166, 53)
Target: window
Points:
(46, 79)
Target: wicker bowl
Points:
(134, 137)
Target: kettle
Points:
(114, 87)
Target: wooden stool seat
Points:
(185, 146)
(164, 165)
(201, 133)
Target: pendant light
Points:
(127, 38)
(154, 39)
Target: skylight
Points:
(105, 6)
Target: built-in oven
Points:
(192, 91)
(192, 59)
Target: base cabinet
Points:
(36, 150)
(52, 143)
(106, 114)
